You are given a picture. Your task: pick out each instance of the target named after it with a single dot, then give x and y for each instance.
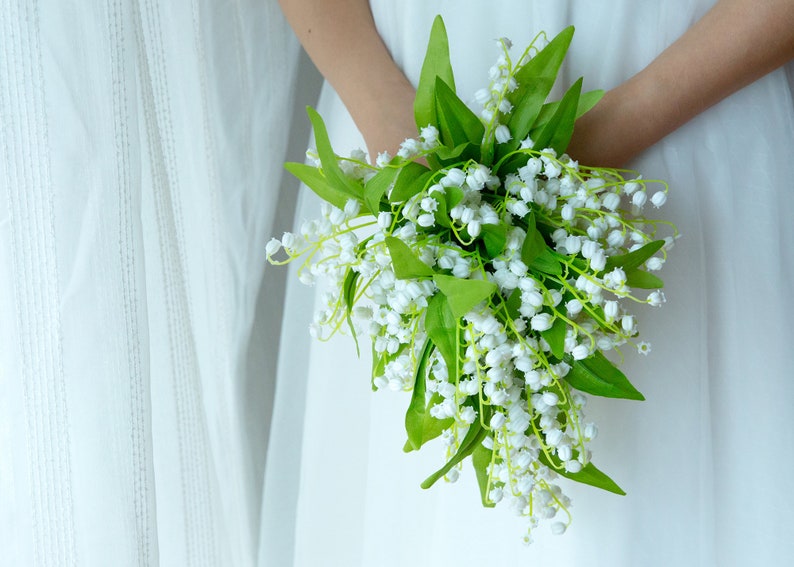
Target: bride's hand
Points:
(735, 43)
(341, 38)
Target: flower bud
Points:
(541, 322)
(611, 201)
(611, 310)
(384, 220)
(659, 198)
(580, 352)
(272, 247)
(497, 420)
(574, 307)
(503, 134)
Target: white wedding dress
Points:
(141, 145)
(706, 460)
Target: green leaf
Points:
(410, 181)
(405, 263)
(349, 296)
(513, 304)
(457, 124)
(494, 236)
(634, 260)
(349, 289)
(588, 475)
(535, 80)
(378, 366)
(555, 336)
(536, 254)
(481, 459)
(441, 326)
(450, 156)
(463, 295)
(376, 188)
(598, 376)
(587, 100)
(432, 427)
(328, 158)
(557, 133)
(415, 416)
(436, 64)
(454, 196)
(314, 179)
(643, 280)
(473, 437)
(440, 214)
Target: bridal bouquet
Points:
(492, 280)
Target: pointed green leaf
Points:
(454, 196)
(328, 158)
(481, 459)
(557, 133)
(314, 179)
(436, 64)
(588, 475)
(441, 326)
(535, 80)
(441, 214)
(432, 427)
(463, 295)
(410, 181)
(634, 260)
(415, 416)
(349, 296)
(536, 254)
(457, 124)
(494, 236)
(514, 304)
(643, 280)
(598, 376)
(378, 366)
(473, 437)
(555, 336)
(377, 186)
(451, 156)
(405, 262)
(587, 100)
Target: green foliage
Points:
(535, 80)
(314, 179)
(463, 295)
(457, 125)
(481, 460)
(436, 65)
(410, 181)
(441, 326)
(473, 438)
(377, 186)
(556, 134)
(415, 416)
(588, 475)
(598, 376)
(328, 158)
(406, 264)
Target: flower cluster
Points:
(491, 281)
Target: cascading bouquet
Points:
(491, 280)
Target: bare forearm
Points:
(341, 38)
(734, 44)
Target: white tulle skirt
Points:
(705, 460)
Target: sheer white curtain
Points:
(141, 145)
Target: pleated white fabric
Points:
(142, 144)
(704, 460)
